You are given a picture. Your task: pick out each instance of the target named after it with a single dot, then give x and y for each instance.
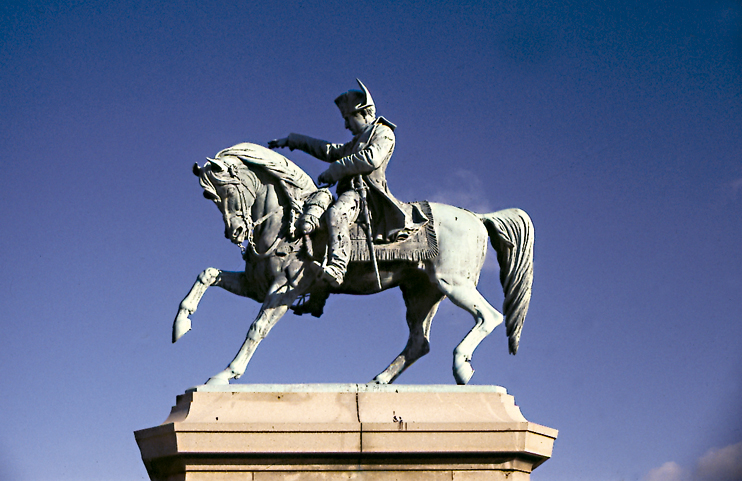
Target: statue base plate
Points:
(344, 431)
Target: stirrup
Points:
(333, 274)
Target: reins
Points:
(252, 225)
(251, 228)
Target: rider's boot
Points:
(314, 207)
(340, 216)
(339, 255)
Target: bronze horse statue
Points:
(260, 194)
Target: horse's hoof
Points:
(462, 372)
(181, 325)
(220, 379)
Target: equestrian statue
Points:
(300, 244)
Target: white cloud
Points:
(669, 471)
(463, 188)
(723, 464)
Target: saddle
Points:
(418, 245)
(421, 245)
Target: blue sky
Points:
(616, 125)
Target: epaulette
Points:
(382, 120)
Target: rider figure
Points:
(367, 155)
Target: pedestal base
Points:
(344, 431)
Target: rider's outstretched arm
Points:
(317, 148)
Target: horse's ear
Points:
(196, 170)
(216, 166)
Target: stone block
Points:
(344, 432)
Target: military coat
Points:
(367, 154)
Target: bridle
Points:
(250, 225)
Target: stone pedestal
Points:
(344, 432)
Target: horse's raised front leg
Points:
(230, 281)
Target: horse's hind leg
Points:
(422, 304)
(486, 319)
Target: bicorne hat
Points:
(354, 101)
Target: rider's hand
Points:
(326, 178)
(278, 143)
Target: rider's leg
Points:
(339, 218)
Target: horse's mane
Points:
(294, 181)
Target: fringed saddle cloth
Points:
(420, 246)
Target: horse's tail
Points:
(511, 235)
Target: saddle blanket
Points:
(421, 245)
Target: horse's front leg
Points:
(282, 294)
(260, 328)
(230, 281)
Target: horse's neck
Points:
(267, 202)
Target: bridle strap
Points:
(251, 225)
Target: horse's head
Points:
(232, 187)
